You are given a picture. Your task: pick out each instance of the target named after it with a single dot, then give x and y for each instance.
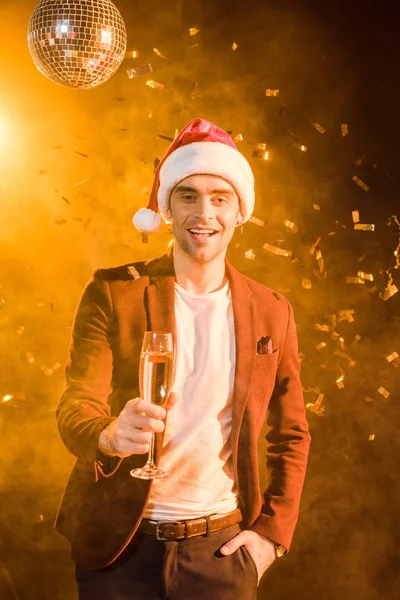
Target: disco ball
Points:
(77, 43)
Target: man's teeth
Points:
(201, 230)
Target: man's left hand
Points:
(260, 548)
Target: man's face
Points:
(203, 202)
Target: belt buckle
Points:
(161, 523)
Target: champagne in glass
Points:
(155, 380)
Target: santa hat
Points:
(201, 148)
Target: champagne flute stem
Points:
(150, 460)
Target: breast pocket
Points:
(267, 360)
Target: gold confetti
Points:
(356, 216)
(300, 147)
(238, 138)
(371, 437)
(383, 392)
(30, 357)
(357, 338)
(319, 327)
(316, 207)
(155, 85)
(344, 129)
(355, 280)
(367, 276)
(335, 335)
(54, 368)
(361, 183)
(194, 31)
(132, 54)
(392, 357)
(314, 246)
(346, 315)
(321, 346)
(317, 407)
(340, 382)
(159, 54)
(390, 291)
(234, 46)
(320, 260)
(250, 254)
(276, 250)
(256, 221)
(318, 127)
(368, 399)
(138, 71)
(345, 356)
(290, 225)
(81, 182)
(20, 329)
(7, 398)
(260, 154)
(307, 284)
(272, 93)
(364, 227)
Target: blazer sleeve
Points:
(83, 411)
(288, 443)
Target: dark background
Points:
(334, 62)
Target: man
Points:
(204, 530)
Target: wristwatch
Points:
(279, 550)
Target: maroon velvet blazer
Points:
(101, 509)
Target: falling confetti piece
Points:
(234, 46)
(81, 154)
(300, 147)
(383, 392)
(20, 329)
(290, 225)
(364, 227)
(355, 280)
(276, 250)
(260, 154)
(7, 398)
(344, 129)
(340, 382)
(256, 221)
(367, 276)
(81, 182)
(272, 93)
(30, 358)
(356, 216)
(321, 346)
(307, 284)
(159, 54)
(388, 292)
(314, 246)
(318, 127)
(357, 338)
(317, 406)
(132, 54)
(316, 207)
(346, 315)
(319, 327)
(155, 85)
(360, 183)
(250, 254)
(371, 437)
(392, 357)
(238, 138)
(138, 71)
(194, 31)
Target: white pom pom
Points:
(147, 220)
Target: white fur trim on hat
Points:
(207, 158)
(147, 220)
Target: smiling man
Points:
(206, 530)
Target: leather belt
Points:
(179, 530)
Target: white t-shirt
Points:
(197, 450)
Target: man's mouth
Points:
(201, 234)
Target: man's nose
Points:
(204, 209)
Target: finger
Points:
(171, 400)
(234, 543)
(137, 436)
(152, 410)
(147, 423)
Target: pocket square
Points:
(264, 345)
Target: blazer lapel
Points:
(245, 321)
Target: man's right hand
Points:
(131, 432)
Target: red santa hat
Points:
(201, 148)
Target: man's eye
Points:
(187, 197)
(222, 200)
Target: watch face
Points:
(280, 551)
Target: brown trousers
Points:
(189, 569)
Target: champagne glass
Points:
(155, 380)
